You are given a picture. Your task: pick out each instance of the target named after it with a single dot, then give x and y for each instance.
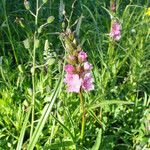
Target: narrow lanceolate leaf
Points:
(20, 140)
(96, 146)
(61, 10)
(79, 25)
(65, 128)
(110, 102)
(46, 111)
(93, 115)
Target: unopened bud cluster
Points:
(113, 5)
(115, 31)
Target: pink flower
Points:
(69, 69)
(82, 56)
(87, 83)
(115, 32)
(67, 78)
(87, 66)
(73, 82)
(113, 7)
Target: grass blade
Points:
(79, 26)
(46, 111)
(98, 141)
(65, 128)
(22, 132)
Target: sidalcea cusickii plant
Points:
(78, 77)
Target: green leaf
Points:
(22, 132)
(98, 141)
(92, 114)
(65, 128)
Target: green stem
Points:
(82, 111)
(111, 48)
(37, 13)
(33, 72)
(33, 88)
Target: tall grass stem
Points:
(33, 70)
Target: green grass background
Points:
(124, 77)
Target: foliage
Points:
(36, 110)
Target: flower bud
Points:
(113, 5)
(69, 69)
(87, 66)
(71, 36)
(71, 59)
(75, 42)
(68, 44)
(44, 1)
(115, 32)
(46, 46)
(40, 29)
(63, 25)
(79, 48)
(20, 68)
(29, 91)
(26, 43)
(78, 69)
(37, 42)
(32, 70)
(82, 56)
(27, 4)
(50, 19)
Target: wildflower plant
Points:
(78, 77)
(115, 29)
(115, 32)
(78, 70)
